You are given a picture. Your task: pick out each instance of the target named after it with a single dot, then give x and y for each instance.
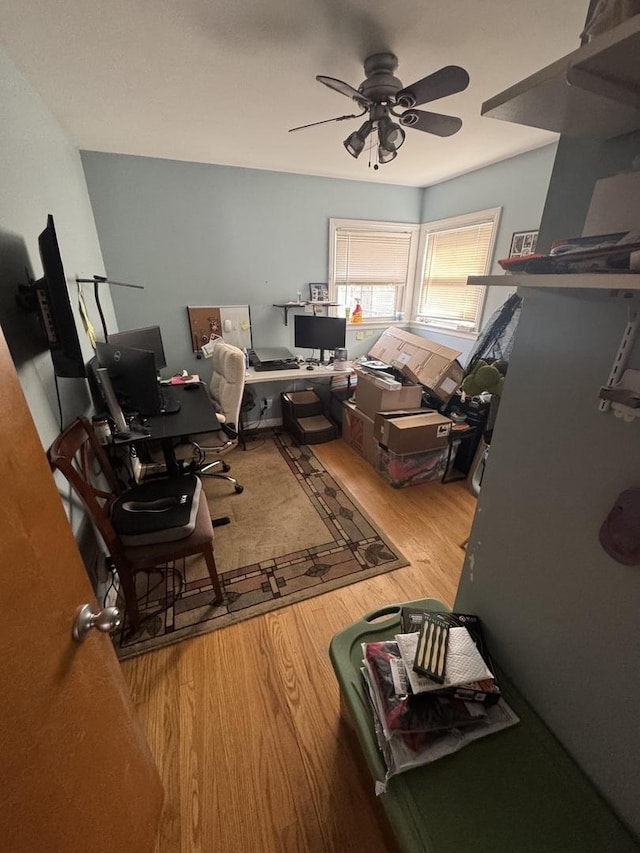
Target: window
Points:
(373, 262)
(451, 250)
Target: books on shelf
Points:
(417, 722)
(605, 253)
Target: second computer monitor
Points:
(148, 338)
(133, 376)
(321, 333)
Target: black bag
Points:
(157, 511)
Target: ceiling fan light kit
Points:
(354, 143)
(391, 135)
(381, 94)
(386, 155)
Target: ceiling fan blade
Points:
(326, 121)
(447, 81)
(435, 123)
(343, 88)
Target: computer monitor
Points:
(54, 304)
(148, 338)
(133, 376)
(321, 333)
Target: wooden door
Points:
(75, 771)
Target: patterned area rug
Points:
(295, 533)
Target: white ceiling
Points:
(221, 81)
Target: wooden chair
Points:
(80, 457)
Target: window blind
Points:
(372, 258)
(452, 255)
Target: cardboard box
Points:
(370, 398)
(421, 360)
(357, 431)
(412, 432)
(411, 469)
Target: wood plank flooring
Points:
(244, 722)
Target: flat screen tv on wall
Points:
(55, 308)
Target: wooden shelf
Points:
(590, 281)
(593, 91)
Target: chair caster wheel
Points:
(239, 489)
(226, 467)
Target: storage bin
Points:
(517, 791)
(411, 469)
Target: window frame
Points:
(384, 227)
(465, 220)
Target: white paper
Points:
(398, 756)
(464, 662)
(399, 676)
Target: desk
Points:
(319, 374)
(196, 415)
(255, 377)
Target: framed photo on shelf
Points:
(319, 292)
(523, 243)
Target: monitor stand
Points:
(113, 405)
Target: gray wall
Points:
(562, 616)
(197, 234)
(572, 184)
(517, 185)
(41, 173)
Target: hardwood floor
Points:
(244, 722)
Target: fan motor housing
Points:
(381, 84)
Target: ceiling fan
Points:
(382, 95)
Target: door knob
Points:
(107, 620)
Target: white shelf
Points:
(590, 281)
(288, 305)
(594, 91)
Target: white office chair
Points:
(226, 389)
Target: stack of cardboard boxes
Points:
(386, 423)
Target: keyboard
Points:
(277, 365)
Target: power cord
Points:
(55, 379)
(112, 583)
(166, 604)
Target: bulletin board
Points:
(230, 322)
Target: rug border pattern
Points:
(304, 465)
